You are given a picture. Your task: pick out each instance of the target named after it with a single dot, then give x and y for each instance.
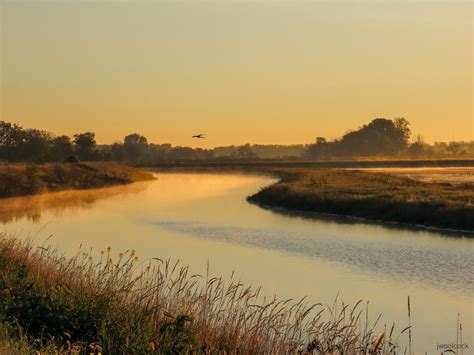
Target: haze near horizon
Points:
(257, 72)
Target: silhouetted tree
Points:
(456, 148)
(84, 145)
(417, 149)
(380, 137)
(319, 150)
(134, 147)
(35, 145)
(159, 152)
(116, 151)
(11, 139)
(403, 127)
(181, 153)
(61, 147)
(244, 152)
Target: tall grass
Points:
(28, 179)
(112, 306)
(372, 195)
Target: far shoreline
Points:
(351, 164)
(371, 196)
(278, 204)
(365, 196)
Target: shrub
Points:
(71, 159)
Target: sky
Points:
(268, 72)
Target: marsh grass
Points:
(372, 195)
(86, 304)
(29, 179)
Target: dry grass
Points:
(27, 179)
(123, 305)
(372, 195)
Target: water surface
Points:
(200, 218)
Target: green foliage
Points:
(53, 310)
(51, 304)
(174, 334)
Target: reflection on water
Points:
(201, 218)
(58, 203)
(395, 260)
(341, 219)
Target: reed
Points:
(29, 179)
(374, 196)
(117, 305)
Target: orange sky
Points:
(241, 71)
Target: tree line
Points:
(18, 144)
(386, 138)
(380, 137)
(33, 145)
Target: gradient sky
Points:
(241, 71)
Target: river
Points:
(203, 218)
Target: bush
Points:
(33, 182)
(71, 159)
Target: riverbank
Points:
(309, 164)
(30, 179)
(371, 195)
(113, 305)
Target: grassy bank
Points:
(372, 195)
(28, 179)
(49, 302)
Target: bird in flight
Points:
(201, 135)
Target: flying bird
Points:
(201, 135)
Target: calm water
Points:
(205, 217)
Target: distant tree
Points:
(35, 145)
(203, 154)
(61, 147)
(277, 151)
(84, 145)
(116, 151)
(159, 152)
(418, 148)
(71, 159)
(134, 147)
(222, 152)
(181, 153)
(457, 148)
(319, 150)
(403, 127)
(380, 137)
(244, 152)
(12, 137)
